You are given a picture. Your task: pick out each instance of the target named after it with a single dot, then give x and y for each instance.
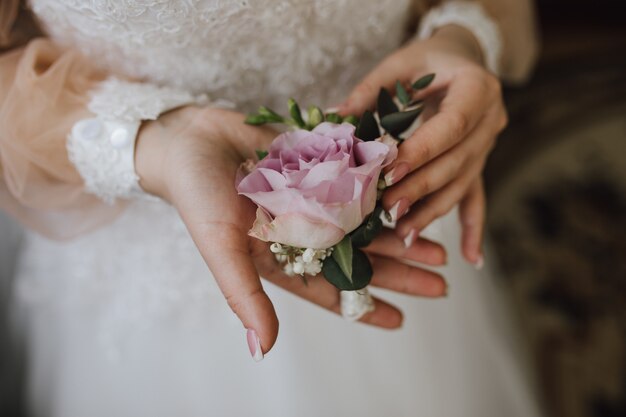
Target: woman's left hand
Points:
(440, 164)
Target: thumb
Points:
(224, 246)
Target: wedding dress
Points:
(127, 320)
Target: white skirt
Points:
(128, 321)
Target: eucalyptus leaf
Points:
(342, 254)
(402, 94)
(361, 272)
(364, 234)
(295, 113)
(353, 120)
(261, 154)
(367, 129)
(415, 103)
(423, 82)
(397, 123)
(256, 120)
(333, 118)
(270, 115)
(316, 116)
(385, 104)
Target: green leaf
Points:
(342, 254)
(397, 123)
(270, 115)
(402, 94)
(333, 118)
(423, 82)
(415, 103)
(261, 154)
(256, 120)
(365, 233)
(353, 120)
(295, 113)
(316, 116)
(385, 104)
(361, 272)
(367, 129)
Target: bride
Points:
(119, 142)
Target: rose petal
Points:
(296, 230)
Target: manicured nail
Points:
(333, 109)
(480, 262)
(399, 209)
(408, 240)
(254, 344)
(396, 174)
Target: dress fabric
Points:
(127, 320)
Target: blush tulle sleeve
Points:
(44, 91)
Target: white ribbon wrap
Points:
(355, 304)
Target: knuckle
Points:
(424, 185)
(459, 122)
(424, 152)
(238, 300)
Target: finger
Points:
(459, 112)
(434, 206)
(221, 237)
(363, 96)
(320, 292)
(406, 279)
(439, 172)
(238, 279)
(472, 216)
(424, 251)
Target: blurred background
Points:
(557, 215)
(557, 207)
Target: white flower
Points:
(308, 255)
(298, 268)
(276, 248)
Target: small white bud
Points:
(281, 257)
(308, 255)
(298, 268)
(299, 259)
(276, 247)
(288, 269)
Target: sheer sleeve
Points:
(520, 35)
(44, 91)
(67, 131)
(515, 35)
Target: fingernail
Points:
(480, 262)
(396, 174)
(408, 240)
(254, 344)
(399, 209)
(333, 109)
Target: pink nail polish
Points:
(254, 344)
(480, 262)
(396, 174)
(408, 240)
(399, 209)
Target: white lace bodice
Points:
(245, 51)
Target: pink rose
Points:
(315, 187)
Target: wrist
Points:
(461, 41)
(150, 158)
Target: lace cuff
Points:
(472, 17)
(103, 148)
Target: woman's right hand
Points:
(190, 157)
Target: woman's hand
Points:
(441, 163)
(190, 157)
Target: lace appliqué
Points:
(103, 148)
(472, 17)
